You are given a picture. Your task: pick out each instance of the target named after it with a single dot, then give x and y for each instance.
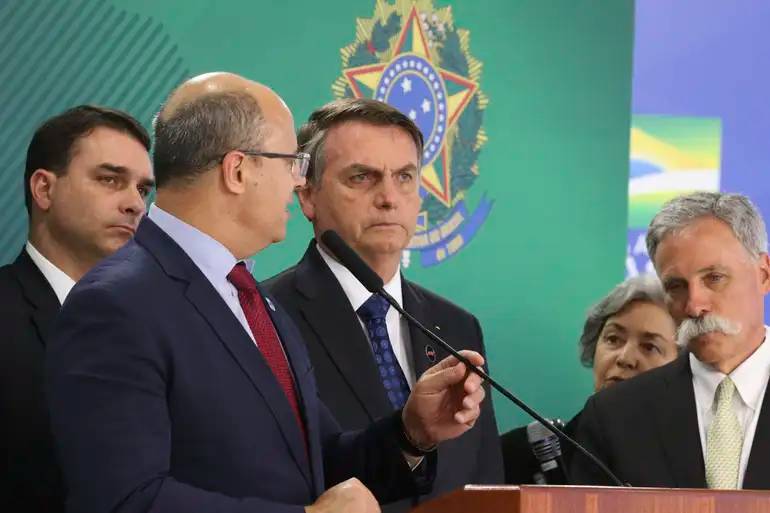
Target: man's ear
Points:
(764, 273)
(233, 175)
(306, 197)
(42, 186)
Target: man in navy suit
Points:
(363, 182)
(702, 420)
(176, 385)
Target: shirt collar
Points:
(749, 376)
(213, 259)
(354, 290)
(60, 282)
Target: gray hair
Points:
(311, 137)
(195, 137)
(644, 287)
(735, 210)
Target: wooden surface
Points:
(585, 499)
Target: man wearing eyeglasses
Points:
(363, 183)
(175, 384)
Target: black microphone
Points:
(547, 449)
(374, 284)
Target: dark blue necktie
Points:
(373, 314)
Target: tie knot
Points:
(376, 307)
(241, 278)
(725, 391)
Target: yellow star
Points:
(368, 82)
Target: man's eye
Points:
(359, 178)
(405, 177)
(715, 278)
(108, 180)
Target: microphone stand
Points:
(486, 377)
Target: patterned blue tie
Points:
(373, 314)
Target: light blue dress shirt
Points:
(213, 259)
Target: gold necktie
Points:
(724, 440)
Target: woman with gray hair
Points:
(628, 332)
(625, 334)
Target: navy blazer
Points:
(161, 402)
(646, 430)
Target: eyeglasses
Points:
(300, 161)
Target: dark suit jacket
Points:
(29, 476)
(347, 375)
(646, 430)
(161, 402)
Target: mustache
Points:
(709, 323)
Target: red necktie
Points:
(264, 333)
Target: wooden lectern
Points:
(600, 499)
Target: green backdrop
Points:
(557, 75)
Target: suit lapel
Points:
(678, 425)
(757, 475)
(207, 301)
(39, 293)
(425, 352)
(328, 312)
(306, 393)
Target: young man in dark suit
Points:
(704, 419)
(363, 183)
(87, 174)
(177, 385)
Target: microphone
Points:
(374, 284)
(547, 449)
(354, 263)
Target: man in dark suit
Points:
(176, 385)
(87, 173)
(704, 419)
(363, 182)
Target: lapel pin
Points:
(270, 304)
(437, 327)
(430, 353)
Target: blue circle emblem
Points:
(412, 85)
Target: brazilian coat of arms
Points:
(412, 57)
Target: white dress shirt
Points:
(398, 330)
(750, 379)
(60, 282)
(213, 259)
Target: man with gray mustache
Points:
(702, 420)
(692, 328)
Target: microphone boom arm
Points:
(486, 377)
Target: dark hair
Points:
(196, 136)
(312, 135)
(53, 144)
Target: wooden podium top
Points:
(600, 499)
